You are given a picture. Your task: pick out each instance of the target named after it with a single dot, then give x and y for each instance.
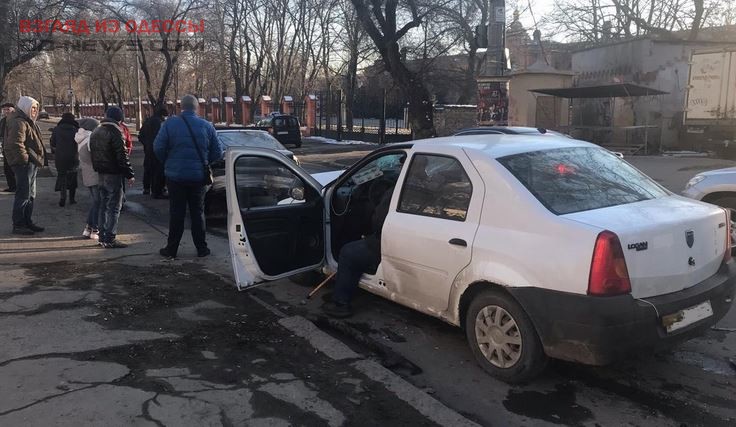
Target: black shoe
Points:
(115, 244)
(72, 202)
(165, 252)
(146, 192)
(204, 252)
(34, 227)
(62, 202)
(339, 311)
(160, 196)
(9, 190)
(25, 231)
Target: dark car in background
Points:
(283, 127)
(215, 205)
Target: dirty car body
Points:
(537, 246)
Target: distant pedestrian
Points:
(25, 153)
(187, 145)
(90, 178)
(110, 159)
(6, 109)
(66, 157)
(154, 179)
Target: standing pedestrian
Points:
(90, 178)
(187, 145)
(110, 160)
(66, 157)
(154, 179)
(6, 109)
(26, 153)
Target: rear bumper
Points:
(598, 330)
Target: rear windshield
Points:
(285, 122)
(579, 179)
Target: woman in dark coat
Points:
(67, 157)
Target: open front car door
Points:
(275, 218)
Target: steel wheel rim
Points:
(498, 336)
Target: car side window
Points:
(436, 186)
(262, 182)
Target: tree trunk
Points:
(421, 109)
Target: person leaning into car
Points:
(186, 145)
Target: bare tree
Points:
(381, 19)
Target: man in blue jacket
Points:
(185, 145)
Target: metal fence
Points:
(366, 117)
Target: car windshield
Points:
(578, 179)
(249, 139)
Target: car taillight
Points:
(608, 273)
(727, 253)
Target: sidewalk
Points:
(93, 336)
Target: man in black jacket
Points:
(356, 258)
(110, 159)
(154, 180)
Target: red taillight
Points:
(608, 273)
(727, 253)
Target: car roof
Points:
(229, 130)
(513, 130)
(497, 146)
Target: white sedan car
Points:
(537, 247)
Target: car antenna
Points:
(542, 130)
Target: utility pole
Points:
(497, 37)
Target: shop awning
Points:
(616, 90)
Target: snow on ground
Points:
(323, 140)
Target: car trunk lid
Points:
(670, 243)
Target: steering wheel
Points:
(377, 189)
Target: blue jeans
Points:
(25, 193)
(93, 216)
(181, 195)
(356, 258)
(111, 200)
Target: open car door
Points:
(276, 216)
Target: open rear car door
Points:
(276, 216)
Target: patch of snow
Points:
(323, 140)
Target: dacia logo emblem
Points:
(689, 238)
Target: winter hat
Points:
(115, 113)
(25, 103)
(163, 112)
(69, 119)
(88, 123)
(7, 104)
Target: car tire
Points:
(496, 350)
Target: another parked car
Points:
(715, 186)
(43, 114)
(537, 247)
(215, 205)
(283, 127)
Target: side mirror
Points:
(297, 193)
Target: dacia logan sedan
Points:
(538, 247)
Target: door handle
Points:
(458, 242)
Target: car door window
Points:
(262, 182)
(436, 186)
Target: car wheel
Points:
(503, 339)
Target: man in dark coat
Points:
(110, 159)
(66, 157)
(154, 179)
(26, 154)
(7, 108)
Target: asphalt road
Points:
(174, 343)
